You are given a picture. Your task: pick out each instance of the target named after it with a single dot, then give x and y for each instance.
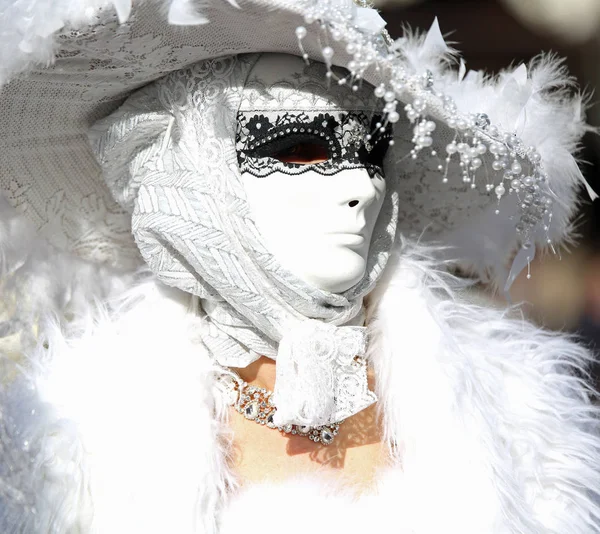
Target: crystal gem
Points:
(326, 436)
(482, 121)
(251, 410)
(428, 79)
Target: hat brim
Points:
(48, 172)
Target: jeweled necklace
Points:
(256, 404)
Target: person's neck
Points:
(260, 373)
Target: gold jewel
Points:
(256, 404)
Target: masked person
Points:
(277, 349)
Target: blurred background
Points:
(564, 290)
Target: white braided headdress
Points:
(169, 156)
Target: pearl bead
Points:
(350, 48)
(389, 96)
(379, 91)
(516, 167)
(327, 52)
(301, 32)
(476, 163)
(393, 117)
(500, 190)
(451, 148)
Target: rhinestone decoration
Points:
(515, 170)
(256, 404)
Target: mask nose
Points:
(359, 189)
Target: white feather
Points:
(184, 12)
(27, 29)
(123, 9)
(36, 279)
(492, 431)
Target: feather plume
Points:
(528, 447)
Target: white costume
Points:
(113, 417)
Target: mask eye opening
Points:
(301, 149)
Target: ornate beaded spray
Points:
(516, 169)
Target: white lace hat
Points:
(486, 163)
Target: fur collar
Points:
(118, 430)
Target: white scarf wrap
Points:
(169, 156)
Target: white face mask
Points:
(318, 227)
(313, 182)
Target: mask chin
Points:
(336, 270)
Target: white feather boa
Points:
(117, 429)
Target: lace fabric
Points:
(348, 140)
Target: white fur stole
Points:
(118, 430)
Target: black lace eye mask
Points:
(298, 142)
